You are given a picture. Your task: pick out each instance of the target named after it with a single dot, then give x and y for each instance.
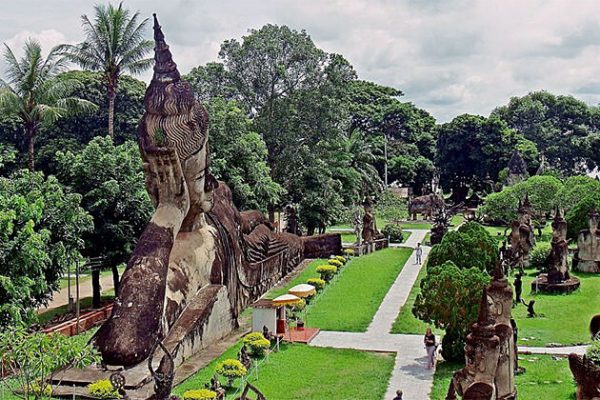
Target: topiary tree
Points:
(231, 369)
(447, 301)
(470, 246)
(326, 271)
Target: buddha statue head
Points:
(174, 119)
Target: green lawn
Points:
(544, 377)
(350, 302)
(351, 238)
(303, 372)
(566, 318)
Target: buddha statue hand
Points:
(167, 186)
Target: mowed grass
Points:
(351, 238)
(565, 318)
(545, 377)
(350, 302)
(303, 372)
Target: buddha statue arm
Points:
(136, 320)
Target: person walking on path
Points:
(430, 346)
(398, 395)
(418, 253)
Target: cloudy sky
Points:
(448, 56)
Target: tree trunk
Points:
(115, 274)
(111, 114)
(96, 287)
(30, 148)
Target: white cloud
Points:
(448, 56)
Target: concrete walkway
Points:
(61, 298)
(410, 373)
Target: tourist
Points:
(430, 346)
(398, 395)
(418, 253)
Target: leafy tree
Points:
(114, 44)
(472, 150)
(542, 190)
(575, 189)
(562, 127)
(238, 156)
(40, 235)
(448, 300)
(111, 181)
(128, 109)
(579, 215)
(34, 359)
(471, 246)
(32, 93)
(211, 81)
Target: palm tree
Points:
(114, 44)
(33, 91)
(363, 155)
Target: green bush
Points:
(335, 262)
(538, 255)
(231, 369)
(341, 259)
(199, 394)
(103, 389)
(326, 271)
(253, 336)
(36, 389)
(349, 252)
(256, 343)
(394, 232)
(579, 215)
(453, 346)
(593, 352)
(318, 283)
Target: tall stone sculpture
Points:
(517, 169)
(522, 236)
(200, 261)
(425, 205)
(369, 226)
(557, 278)
(490, 350)
(587, 257)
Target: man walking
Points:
(418, 253)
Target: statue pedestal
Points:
(541, 284)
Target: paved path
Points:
(410, 373)
(61, 298)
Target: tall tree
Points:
(114, 44)
(32, 92)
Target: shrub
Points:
(253, 336)
(579, 215)
(318, 283)
(335, 262)
(349, 252)
(394, 232)
(593, 352)
(40, 389)
(103, 389)
(231, 369)
(257, 344)
(199, 394)
(326, 271)
(539, 254)
(453, 346)
(341, 259)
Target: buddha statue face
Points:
(200, 181)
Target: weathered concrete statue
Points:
(199, 261)
(587, 257)
(425, 205)
(557, 263)
(357, 224)
(292, 222)
(517, 169)
(587, 377)
(557, 279)
(369, 226)
(522, 235)
(490, 351)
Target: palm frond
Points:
(13, 70)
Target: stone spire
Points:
(165, 69)
(484, 327)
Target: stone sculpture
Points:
(441, 223)
(517, 169)
(522, 236)
(490, 350)
(357, 224)
(557, 279)
(200, 261)
(369, 226)
(292, 221)
(587, 377)
(587, 257)
(425, 205)
(165, 374)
